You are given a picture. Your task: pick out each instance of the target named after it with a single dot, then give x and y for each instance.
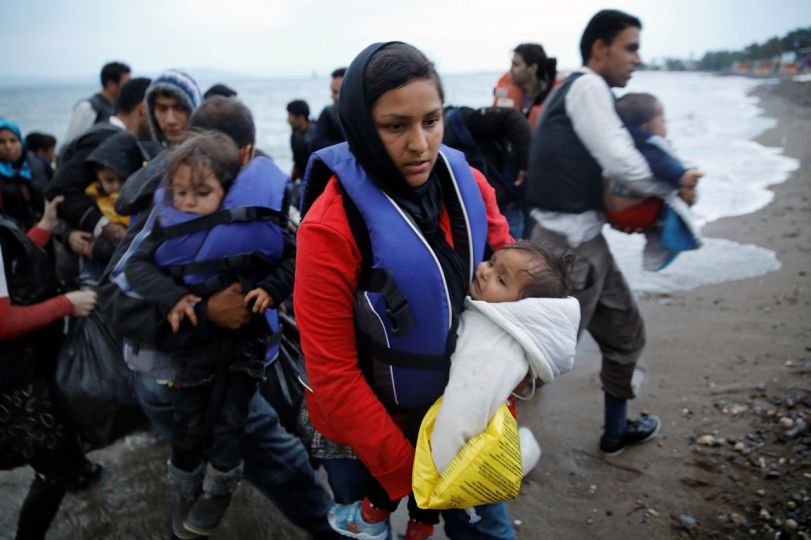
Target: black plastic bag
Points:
(283, 387)
(93, 383)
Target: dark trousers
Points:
(376, 493)
(215, 384)
(608, 309)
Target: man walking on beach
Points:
(100, 106)
(578, 141)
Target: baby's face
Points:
(110, 181)
(657, 123)
(503, 277)
(201, 198)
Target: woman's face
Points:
(10, 147)
(409, 122)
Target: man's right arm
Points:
(590, 106)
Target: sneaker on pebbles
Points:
(637, 432)
(346, 520)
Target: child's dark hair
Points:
(39, 141)
(635, 109)
(551, 279)
(204, 151)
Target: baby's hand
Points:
(261, 300)
(689, 179)
(688, 183)
(184, 308)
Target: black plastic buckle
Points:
(401, 319)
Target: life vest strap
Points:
(410, 360)
(229, 215)
(224, 264)
(381, 281)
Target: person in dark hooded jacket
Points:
(83, 222)
(495, 140)
(112, 163)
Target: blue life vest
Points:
(242, 241)
(403, 314)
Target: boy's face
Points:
(48, 155)
(110, 181)
(172, 117)
(503, 277)
(657, 123)
(201, 198)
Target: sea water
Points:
(711, 121)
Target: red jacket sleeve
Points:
(342, 405)
(498, 230)
(17, 321)
(39, 235)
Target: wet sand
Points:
(724, 363)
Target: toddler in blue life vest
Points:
(519, 325)
(659, 207)
(217, 225)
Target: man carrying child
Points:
(579, 141)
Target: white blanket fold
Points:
(498, 345)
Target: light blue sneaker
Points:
(347, 520)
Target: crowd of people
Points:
(395, 244)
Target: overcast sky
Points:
(280, 38)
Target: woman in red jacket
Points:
(385, 256)
(31, 312)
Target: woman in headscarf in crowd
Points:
(19, 196)
(385, 257)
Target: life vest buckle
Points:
(400, 317)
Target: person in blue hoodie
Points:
(17, 192)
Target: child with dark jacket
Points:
(215, 379)
(112, 162)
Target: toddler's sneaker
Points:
(347, 520)
(638, 431)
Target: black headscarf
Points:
(423, 203)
